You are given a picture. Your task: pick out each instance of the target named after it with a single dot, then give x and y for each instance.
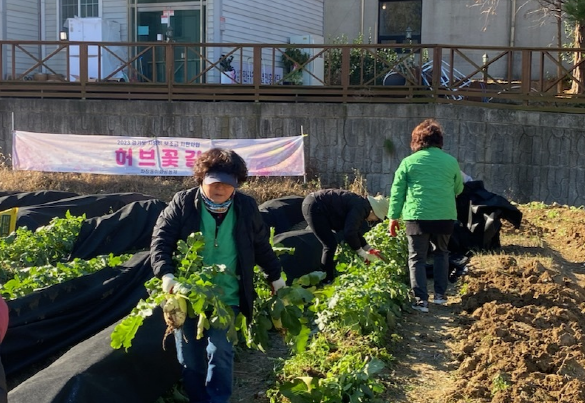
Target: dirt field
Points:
(513, 330)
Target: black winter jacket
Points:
(345, 211)
(182, 217)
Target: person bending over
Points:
(333, 210)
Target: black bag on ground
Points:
(92, 206)
(283, 213)
(475, 195)
(21, 199)
(478, 225)
(479, 214)
(127, 230)
(93, 372)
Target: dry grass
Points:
(162, 188)
(263, 189)
(83, 184)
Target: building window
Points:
(79, 8)
(400, 21)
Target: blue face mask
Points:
(218, 208)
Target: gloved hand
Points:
(168, 282)
(170, 285)
(373, 251)
(367, 256)
(393, 226)
(376, 253)
(277, 285)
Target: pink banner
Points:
(155, 156)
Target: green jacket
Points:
(425, 185)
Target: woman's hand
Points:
(393, 227)
(168, 282)
(277, 285)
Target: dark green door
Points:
(183, 31)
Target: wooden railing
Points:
(527, 78)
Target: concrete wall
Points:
(524, 156)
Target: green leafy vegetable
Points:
(26, 280)
(283, 311)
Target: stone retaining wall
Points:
(524, 156)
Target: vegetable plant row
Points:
(353, 318)
(338, 334)
(32, 260)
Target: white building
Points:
(507, 23)
(452, 22)
(204, 21)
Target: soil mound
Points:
(522, 335)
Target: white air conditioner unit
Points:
(313, 73)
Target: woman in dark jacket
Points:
(333, 210)
(3, 328)
(235, 236)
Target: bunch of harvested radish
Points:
(175, 313)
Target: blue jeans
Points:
(207, 363)
(418, 246)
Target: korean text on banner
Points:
(154, 156)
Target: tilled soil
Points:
(513, 330)
(521, 336)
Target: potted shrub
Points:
(228, 74)
(293, 59)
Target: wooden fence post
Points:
(170, 68)
(526, 79)
(345, 56)
(437, 71)
(257, 79)
(83, 68)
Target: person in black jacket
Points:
(4, 315)
(235, 235)
(332, 210)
